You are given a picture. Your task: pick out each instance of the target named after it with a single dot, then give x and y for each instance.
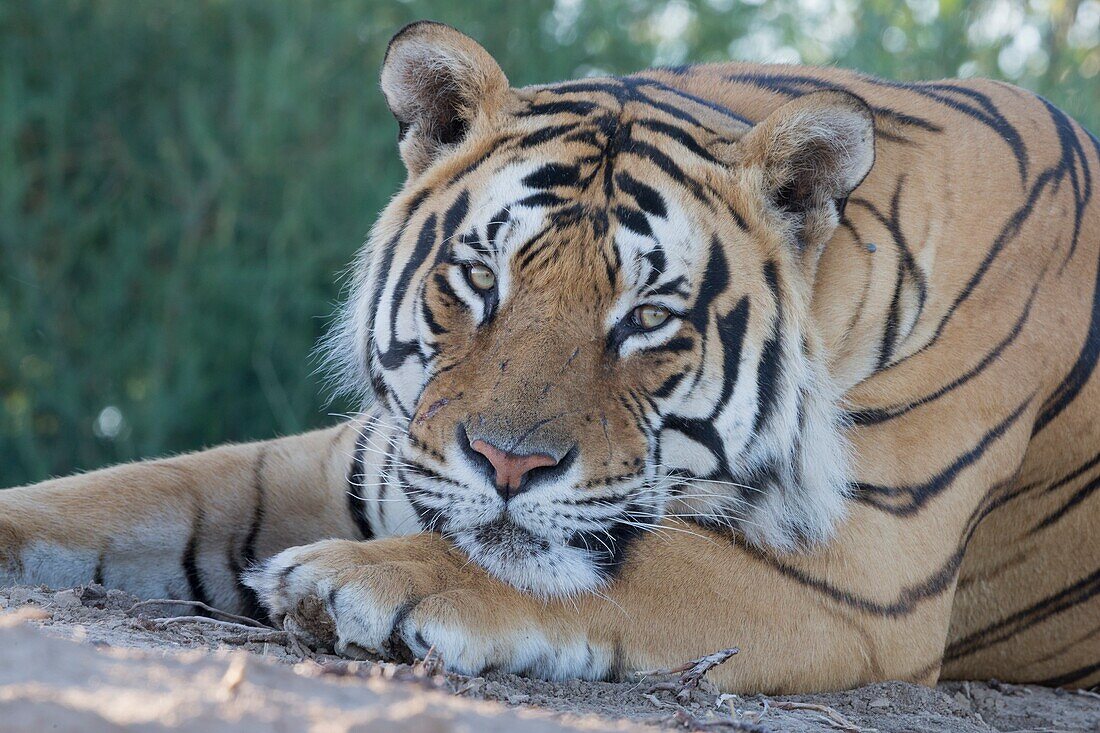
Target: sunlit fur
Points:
(864, 447)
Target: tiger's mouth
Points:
(555, 541)
(529, 560)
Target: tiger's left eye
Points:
(481, 277)
(650, 317)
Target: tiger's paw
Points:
(417, 593)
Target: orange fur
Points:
(951, 305)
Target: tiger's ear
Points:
(807, 157)
(436, 80)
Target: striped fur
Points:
(862, 447)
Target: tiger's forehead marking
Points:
(602, 184)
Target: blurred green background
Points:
(182, 183)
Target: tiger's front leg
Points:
(683, 593)
(185, 527)
(420, 591)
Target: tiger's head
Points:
(588, 308)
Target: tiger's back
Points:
(985, 330)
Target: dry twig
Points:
(691, 673)
(431, 665)
(167, 620)
(657, 703)
(225, 615)
(834, 718)
(238, 633)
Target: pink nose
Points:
(511, 468)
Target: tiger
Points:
(794, 360)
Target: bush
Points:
(182, 182)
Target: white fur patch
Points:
(550, 570)
(56, 566)
(527, 650)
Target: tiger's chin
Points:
(528, 561)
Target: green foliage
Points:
(181, 183)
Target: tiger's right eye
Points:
(650, 317)
(481, 277)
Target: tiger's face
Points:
(588, 309)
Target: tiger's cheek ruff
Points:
(758, 440)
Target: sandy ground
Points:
(88, 660)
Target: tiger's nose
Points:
(511, 469)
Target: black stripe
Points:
(529, 249)
(988, 115)
(633, 220)
(701, 101)
(668, 166)
(648, 198)
(676, 345)
(1073, 155)
(357, 474)
(1024, 619)
(539, 200)
(1073, 677)
(1051, 177)
(552, 175)
(731, 331)
(658, 263)
(399, 351)
(544, 134)
(190, 562)
(434, 326)
(499, 219)
(455, 215)
(578, 107)
(906, 266)
(908, 500)
(875, 416)
(792, 85)
(249, 600)
(768, 372)
(669, 385)
(1081, 371)
(910, 596)
(679, 135)
(1074, 500)
(608, 546)
(890, 328)
(676, 286)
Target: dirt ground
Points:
(89, 660)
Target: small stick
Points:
(207, 620)
(691, 673)
(260, 636)
(295, 641)
(431, 665)
(657, 701)
(240, 634)
(696, 667)
(834, 718)
(199, 604)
